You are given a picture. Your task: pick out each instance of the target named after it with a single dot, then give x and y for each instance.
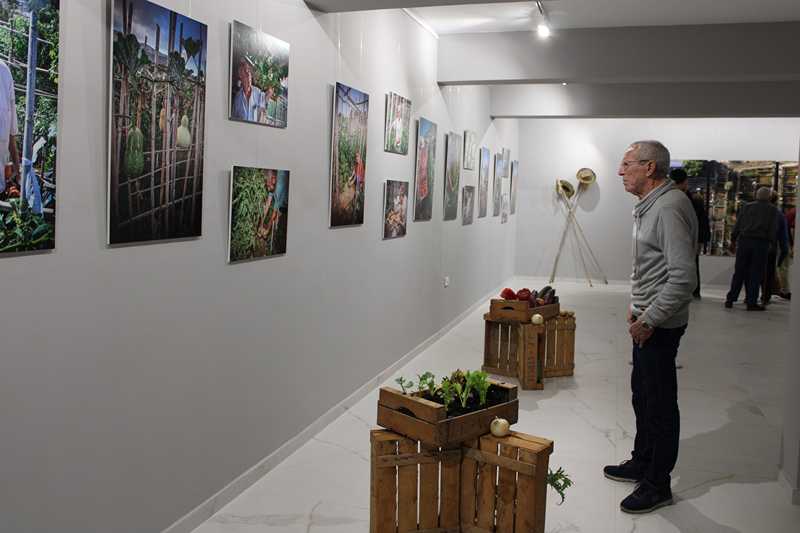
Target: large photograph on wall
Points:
(348, 155)
(157, 130)
(398, 124)
(470, 149)
(483, 181)
(28, 124)
(425, 170)
(258, 213)
(452, 175)
(259, 90)
(395, 209)
(514, 179)
(497, 193)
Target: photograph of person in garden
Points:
(348, 156)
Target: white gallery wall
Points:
(135, 382)
(553, 149)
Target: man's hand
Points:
(630, 317)
(640, 332)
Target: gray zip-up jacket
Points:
(664, 250)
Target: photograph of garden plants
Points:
(259, 89)
(452, 175)
(157, 127)
(513, 185)
(425, 171)
(395, 209)
(398, 124)
(483, 181)
(28, 126)
(467, 205)
(496, 192)
(259, 213)
(348, 155)
(470, 149)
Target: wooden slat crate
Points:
(520, 311)
(434, 490)
(426, 421)
(559, 358)
(512, 349)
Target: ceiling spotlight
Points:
(543, 30)
(563, 83)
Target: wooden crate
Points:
(520, 311)
(559, 351)
(511, 349)
(426, 421)
(434, 490)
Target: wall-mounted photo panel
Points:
(470, 149)
(483, 181)
(395, 209)
(28, 178)
(506, 162)
(425, 170)
(259, 71)
(348, 155)
(258, 213)
(504, 213)
(497, 193)
(467, 205)
(398, 124)
(514, 180)
(157, 130)
(452, 175)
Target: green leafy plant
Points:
(426, 383)
(479, 382)
(22, 230)
(559, 481)
(448, 392)
(406, 385)
(249, 196)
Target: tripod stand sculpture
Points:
(567, 194)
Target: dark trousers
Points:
(770, 276)
(654, 384)
(751, 260)
(697, 265)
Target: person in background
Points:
(663, 279)
(8, 129)
(778, 251)
(755, 230)
(681, 180)
(785, 269)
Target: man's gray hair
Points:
(654, 151)
(763, 194)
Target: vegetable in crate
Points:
(523, 295)
(508, 294)
(532, 299)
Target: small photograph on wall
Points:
(28, 177)
(514, 179)
(497, 193)
(348, 156)
(506, 162)
(425, 170)
(157, 130)
(259, 70)
(467, 205)
(483, 181)
(398, 124)
(470, 149)
(452, 175)
(259, 213)
(395, 209)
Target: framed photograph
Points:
(514, 179)
(452, 175)
(483, 181)
(470, 149)
(28, 178)
(259, 77)
(506, 161)
(425, 170)
(504, 213)
(395, 209)
(348, 156)
(497, 193)
(258, 213)
(467, 205)
(398, 124)
(157, 130)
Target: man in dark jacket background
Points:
(681, 180)
(755, 231)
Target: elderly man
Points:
(8, 126)
(755, 231)
(664, 242)
(249, 103)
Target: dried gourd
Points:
(162, 119)
(184, 135)
(134, 153)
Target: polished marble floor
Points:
(726, 480)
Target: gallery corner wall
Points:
(137, 381)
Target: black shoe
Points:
(728, 305)
(756, 307)
(646, 498)
(627, 472)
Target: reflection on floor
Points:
(726, 480)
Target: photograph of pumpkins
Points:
(259, 213)
(395, 209)
(29, 107)
(348, 155)
(452, 175)
(426, 170)
(158, 117)
(259, 77)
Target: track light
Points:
(543, 29)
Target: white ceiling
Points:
(563, 14)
